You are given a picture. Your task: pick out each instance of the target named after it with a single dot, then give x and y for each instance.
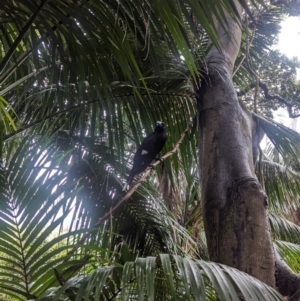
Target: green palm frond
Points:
(166, 277)
(84, 82)
(30, 215)
(68, 181)
(282, 185)
(284, 229)
(290, 253)
(91, 31)
(285, 140)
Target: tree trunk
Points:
(287, 282)
(233, 202)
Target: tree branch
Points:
(279, 98)
(271, 96)
(287, 282)
(248, 43)
(126, 197)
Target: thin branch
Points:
(247, 48)
(126, 197)
(265, 88)
(248, 43)
(279, 98)
(260, 173)
(258, 83)
(256, 94)
(20, 37)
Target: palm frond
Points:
(282, 185)
(285, 140)
(34, 207)
(166, 277)
(107, 30)
(69, 179)
(290, 253)
(283, 229)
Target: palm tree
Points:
(81, 84)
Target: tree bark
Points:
(287, 282)
(233, 202)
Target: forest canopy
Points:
(82, 83)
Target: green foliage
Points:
(268, 64)
(290, 253)
(166, 278)
(284, 229)
(81, 83)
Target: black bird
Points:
(148, 150)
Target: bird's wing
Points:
(146, 152)
(146, 148)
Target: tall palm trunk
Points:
(234, 204)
